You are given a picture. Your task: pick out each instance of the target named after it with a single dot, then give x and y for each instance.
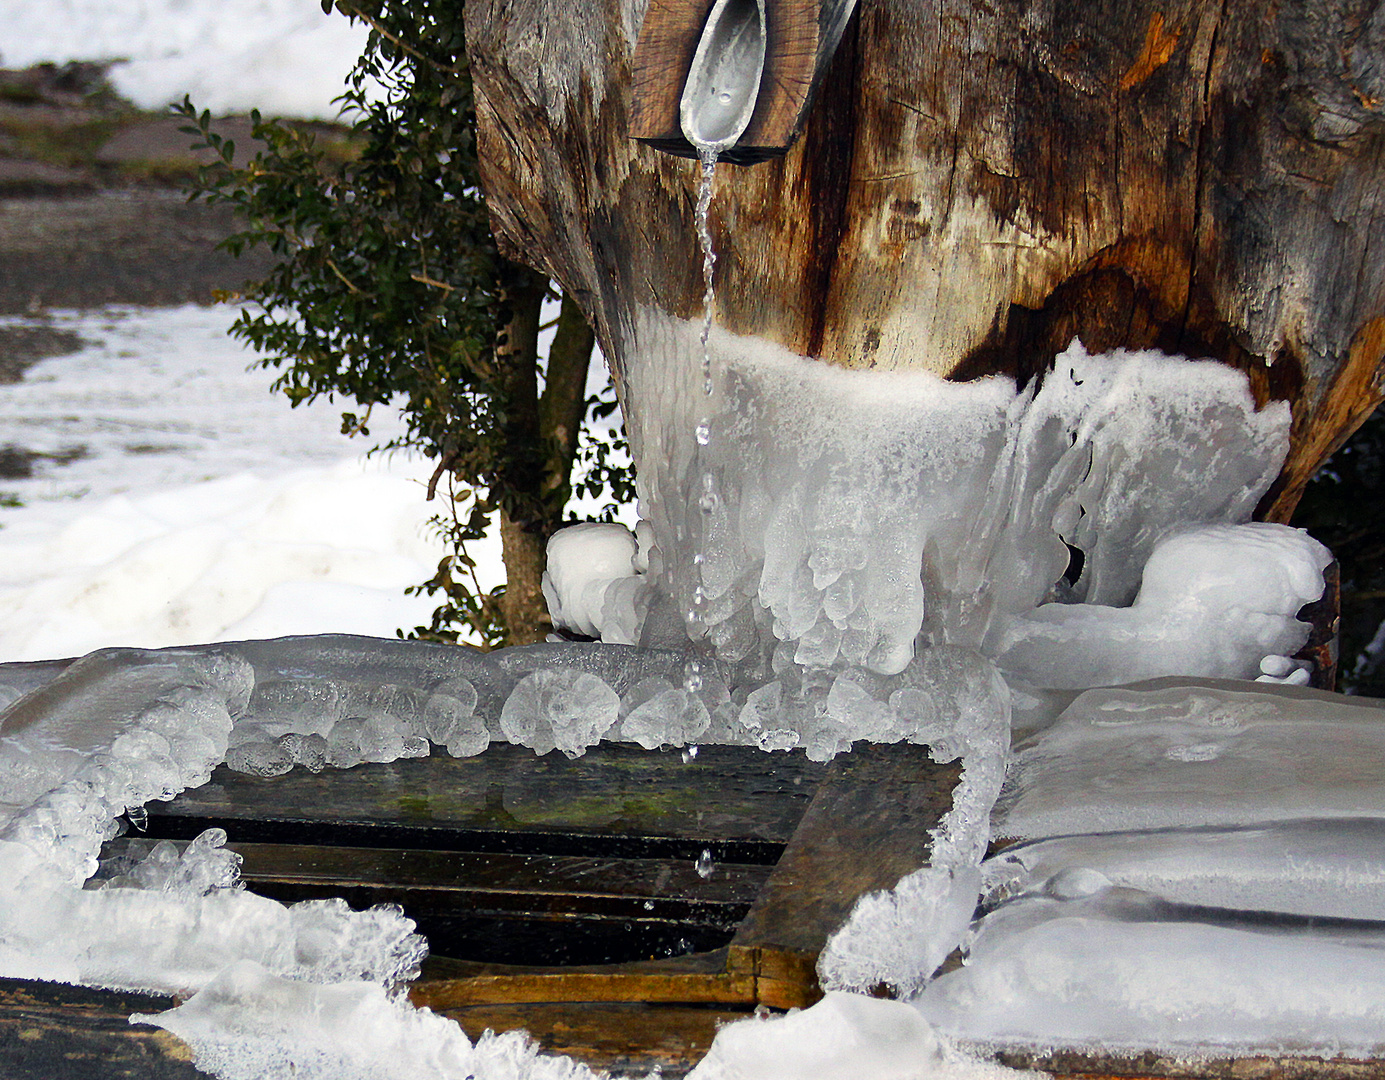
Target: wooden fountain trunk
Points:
(979, 182)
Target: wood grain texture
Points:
(867, 827)
(979, 182)
(619, 798)
(49, 1031)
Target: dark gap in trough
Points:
(562, 885)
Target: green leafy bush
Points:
(389, 291)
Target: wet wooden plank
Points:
(49, 1031)
(499, 879)
(629, 1039)
(866, 828)
(513, 907)
(739, 802)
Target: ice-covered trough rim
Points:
(49, 846)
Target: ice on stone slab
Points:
(1181, 752)
(569, 710)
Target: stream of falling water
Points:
(707, 497)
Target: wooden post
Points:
(976, 184)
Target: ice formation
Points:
(248, 1024)
(900, 937)
(1178, 753)
(1113, 974)
(842, 1037)
(1204, 876)
(593, 582)
(1214, 600)
(859, 513)
(835, 557)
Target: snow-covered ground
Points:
(181, 501)
(284, 57)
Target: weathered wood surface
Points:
(867, 827)
(508, 857)
(49, 1031)
(799, 40)
(980, 182)
(740, 803)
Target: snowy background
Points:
(179, 500)
(229, 55)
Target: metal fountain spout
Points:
(734, 76)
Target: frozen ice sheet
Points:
(1333, 869)
(1182, 752)
(1117, 972)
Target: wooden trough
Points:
(565, 898)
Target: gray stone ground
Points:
(92, 210)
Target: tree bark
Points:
(980, 182)
(521, 480)
(563, 406)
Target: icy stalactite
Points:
(862, 512)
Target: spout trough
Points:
(766, 58)
(724, 81)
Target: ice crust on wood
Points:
(249, 1024)
(1214, 600)
(1203, 876)
(842, 1037)
(857, 513)
(1176, 753)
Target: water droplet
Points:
(649, 905)
(724, 97)
(709, 499)
(704, 433)
(138, 817)
(692, 677)
(689, 753)
(704, 865)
